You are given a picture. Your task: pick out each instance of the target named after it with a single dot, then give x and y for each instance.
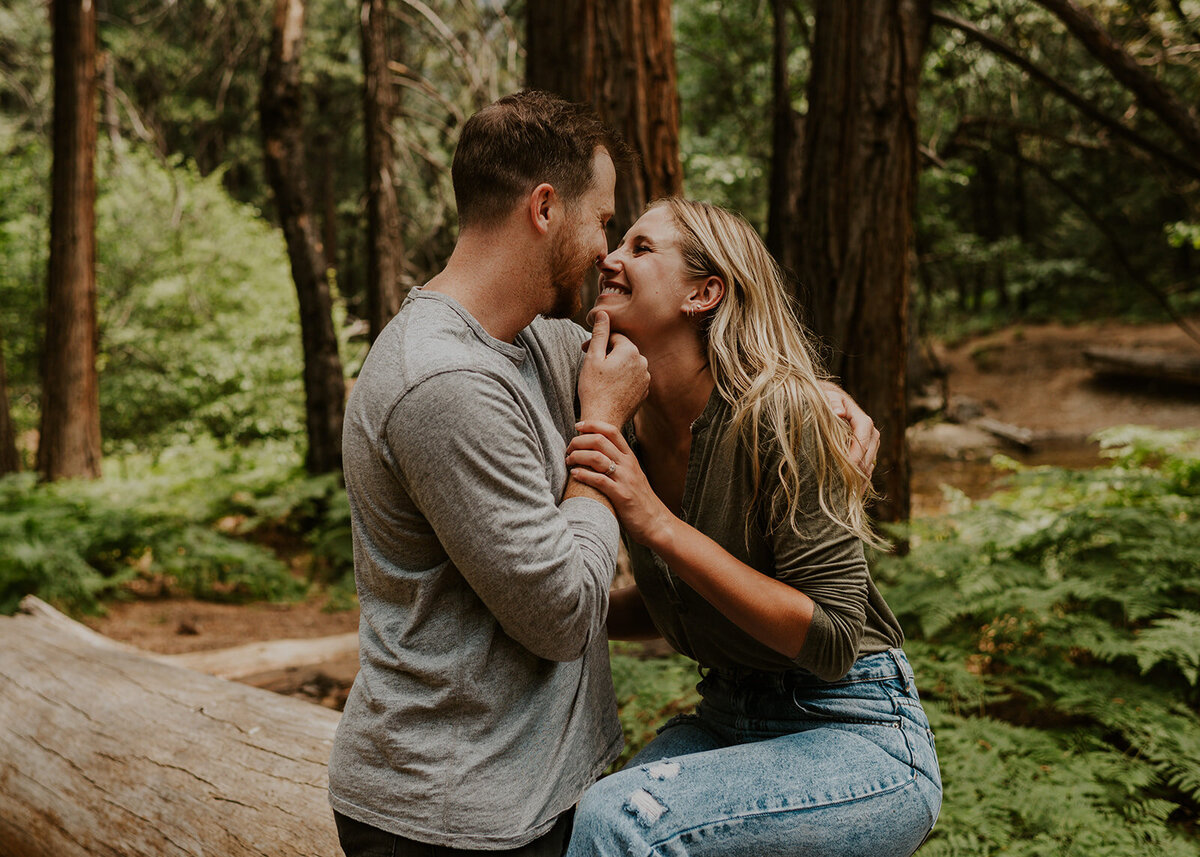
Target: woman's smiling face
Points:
(642, 282)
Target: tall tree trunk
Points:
(855, 223)
(781, 201)
(280, 104)
(384, 243)
(10, 461)
(69, 445)
(619, 57)
(326, 158)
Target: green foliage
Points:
(1183, 234)
(1056, 629)
(24, 242)
(198, 519)
(199, 324)
(649, 692)
(199, 327)
(1027, 208)
(1017, 790)
(723, 53)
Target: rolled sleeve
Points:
(829, 566)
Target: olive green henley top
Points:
(823, 561)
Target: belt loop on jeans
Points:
(904, 669)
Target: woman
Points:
(744, 511)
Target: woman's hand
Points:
(600, 458)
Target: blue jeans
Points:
(782, 764)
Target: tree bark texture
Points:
(106, 752)
(69, 444)
(619, 57)
(385, 249)
(854, 225)
(781, 203)
(10, 461)
(1149, 90)
(281, 107)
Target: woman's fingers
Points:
(598, 443)
(613, 433)
(593, 460)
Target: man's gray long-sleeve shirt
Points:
(484, 705)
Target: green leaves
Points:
(649, 692)
(1056, 632)
(196, 520)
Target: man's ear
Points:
(706, 295)
(543, 203)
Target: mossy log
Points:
(107, 751)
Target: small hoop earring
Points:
(689, 311)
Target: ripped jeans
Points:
(777, 764)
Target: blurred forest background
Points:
(208, 208)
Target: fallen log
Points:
(105, 751)
(1141, 363)
(1018, 436)
(268, 656)
(237, 662)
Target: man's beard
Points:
(569, 264)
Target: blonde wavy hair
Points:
(766, 367)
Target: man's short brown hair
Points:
(511, 146)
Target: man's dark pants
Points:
(363, 840)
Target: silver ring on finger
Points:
(612, 468)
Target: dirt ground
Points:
(1031, 377)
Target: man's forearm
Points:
(575, 488)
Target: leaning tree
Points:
(280, 104)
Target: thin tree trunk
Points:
(328, 193)
(855, 222)
(384, 241)
(69, 444)
(10, 461)
(283, 144)
(781, 202)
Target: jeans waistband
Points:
(875, 667)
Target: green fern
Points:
(1055, 629)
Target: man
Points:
(484, 705)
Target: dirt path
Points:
(1036, 378)
(1033, 377)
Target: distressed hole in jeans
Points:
(645, 807)
(663, 770)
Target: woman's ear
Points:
(706, 295)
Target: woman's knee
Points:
(603, 800)
(597, 818)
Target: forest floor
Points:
(1030, 377)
